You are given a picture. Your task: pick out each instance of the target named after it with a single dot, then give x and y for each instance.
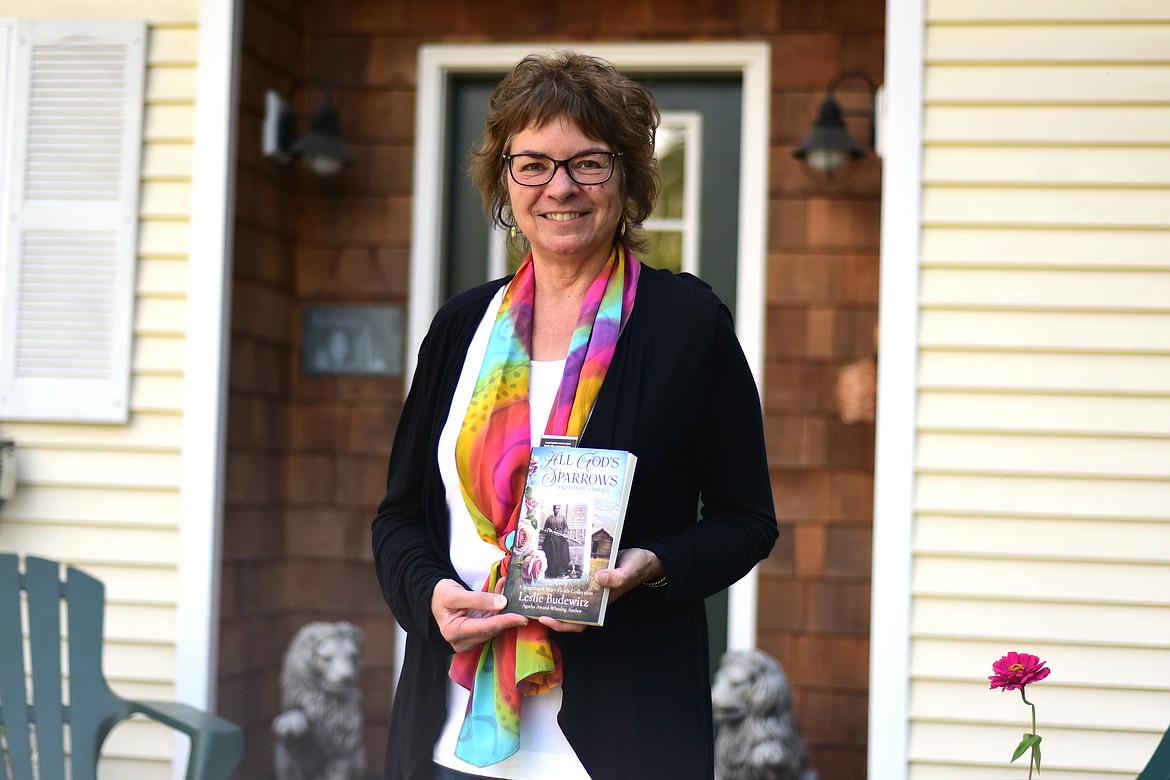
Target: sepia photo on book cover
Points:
(569, 529)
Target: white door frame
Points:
(752, 61)
(894, 477)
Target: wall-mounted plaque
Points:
(352, 340)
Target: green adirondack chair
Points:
(1158, 767)
(31, 708)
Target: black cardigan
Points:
(678, 394)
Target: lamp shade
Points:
(322, 148)
(828, 144)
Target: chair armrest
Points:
(217, 745)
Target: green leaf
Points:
(1028, 741)
(1036, 754)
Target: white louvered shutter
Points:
(71, 181)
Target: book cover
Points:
(570, 527)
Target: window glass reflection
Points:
(670, 148)
(664, 249)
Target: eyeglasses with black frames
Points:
(534, 170)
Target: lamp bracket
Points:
(850, 74)
(868, 113)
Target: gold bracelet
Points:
(658, 583)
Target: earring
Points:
(513, 232)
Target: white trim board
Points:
(205, 369)
(889, 665)
(752, 61)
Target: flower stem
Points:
(1032, 752)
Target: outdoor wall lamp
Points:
(829, 144)
(321, 148)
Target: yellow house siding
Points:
(1042, 491)
(1040, 43)
(106, 497)
(159, 13)
(1043, 247)
(1053, 166)
(976, 12)
(1051, 125)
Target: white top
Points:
(544, 751)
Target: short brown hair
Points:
(603, 103)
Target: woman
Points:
(585, 342)
(554, 541)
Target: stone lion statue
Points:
(752, 705)
(319, 734)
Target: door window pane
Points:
(672, 231)
(670, 147)
(664, 249)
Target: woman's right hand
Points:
(468, 618)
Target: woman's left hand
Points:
(634, 566)
(552, 624)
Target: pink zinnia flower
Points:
(1015, 670)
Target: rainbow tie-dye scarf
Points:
(491, 455)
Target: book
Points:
(570, 528)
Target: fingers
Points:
(466, 633)
(561, 626)
(634, 566)
(450, 595)
(613, 579)
(467, 618)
